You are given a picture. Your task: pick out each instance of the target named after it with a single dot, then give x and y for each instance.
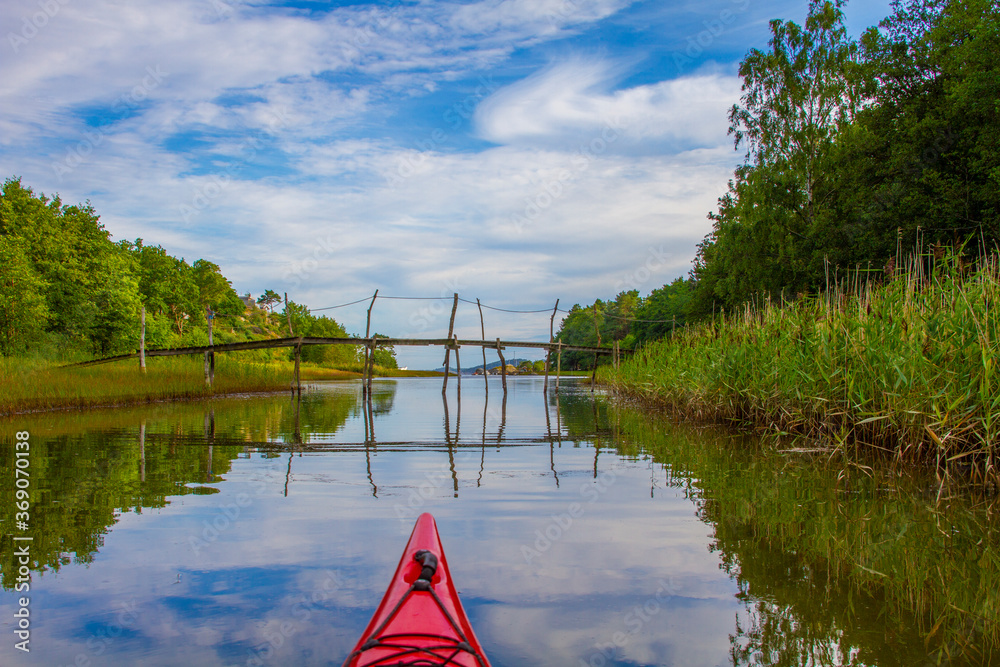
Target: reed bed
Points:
(905, 369)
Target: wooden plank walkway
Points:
(365, 342)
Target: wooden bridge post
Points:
(209, 354)
(142, 339)
(370, 367)
(298, 356)
(447, 349)
(548, 350)
(458, 367)
(365, 384)
(593, 376)
(482, 325)
(503, 367)
(558, 365)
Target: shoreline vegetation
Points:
(32, 386)
(905, 371)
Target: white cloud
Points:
(543, 16)
(571, 100)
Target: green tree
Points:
(214, 290)
(384, 355)
(926, 155)
(24, 313)
(578, 328)
(337, 356)
(117, 300)
(168, 290)
(772, 229)
(664, 309)
(89, 281)
(268, 299)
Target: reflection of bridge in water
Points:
(451, 444)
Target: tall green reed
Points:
(906, 368)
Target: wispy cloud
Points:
(569, 100)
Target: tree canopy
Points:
(857, 148)
(67, 286)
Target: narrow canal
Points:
(263, 530)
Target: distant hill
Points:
(473, 369)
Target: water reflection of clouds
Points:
(228, 602)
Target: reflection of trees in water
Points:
(383, 397)
(835, 566)
(798, 611)
(81, 484)
(580, 415)
(382, 401)
(90, 467)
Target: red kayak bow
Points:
(420, 621)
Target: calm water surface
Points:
(262, 531)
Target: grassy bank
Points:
(906, 369)
(29, 386)
(33, 385)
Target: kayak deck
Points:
(420, 620)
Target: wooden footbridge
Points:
(371, 343)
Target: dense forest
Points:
(857, 151)
(70, 292)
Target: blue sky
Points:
(516, 151)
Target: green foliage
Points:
(214, 291)
(927, 153)
(662, 311)
(630, 320)
(168, 289)
(856, 149)
(91, 290)
(23, 314)
(72, 292)
(268, 299)
(771, 230)
(384, 355)
(115, 327)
